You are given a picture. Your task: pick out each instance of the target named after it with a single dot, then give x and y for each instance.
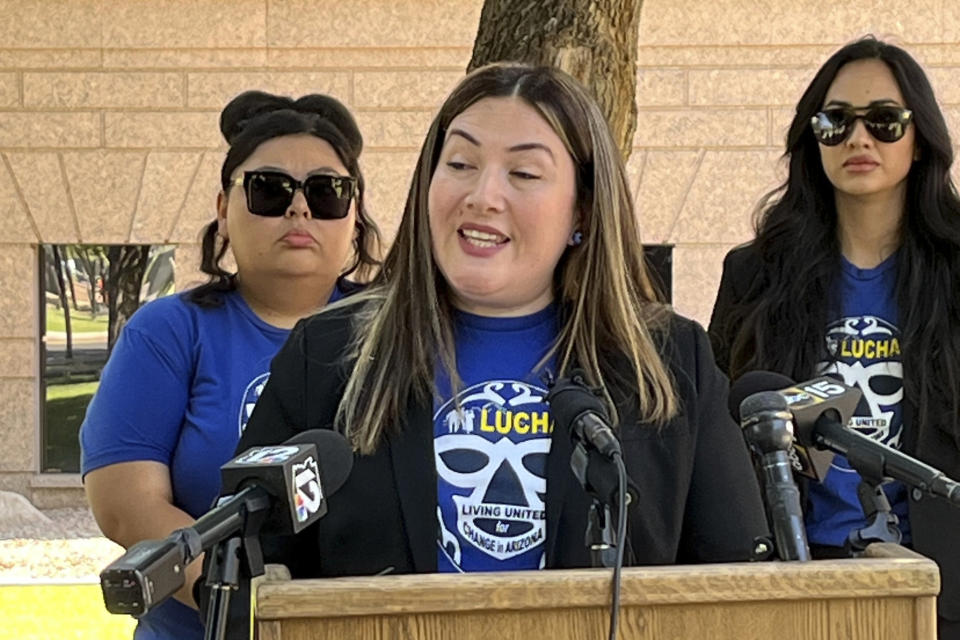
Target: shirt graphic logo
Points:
(250, 396)
(866, 354)
(491, 465)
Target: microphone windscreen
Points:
(334, 456)
(754, 382)
(569, 398)
(762, 401)
(806, 460)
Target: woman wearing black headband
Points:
(186, 372)
(855, 272)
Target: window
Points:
(89, 293)
(659, 259)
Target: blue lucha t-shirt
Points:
(866, 346)
(491, 452)
(178, 388)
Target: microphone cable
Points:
(577, 407)
(621, 544)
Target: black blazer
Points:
(698, 498)
(934, 524)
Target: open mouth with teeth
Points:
(482, 239)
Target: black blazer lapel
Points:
(415, 476)
(567, 506)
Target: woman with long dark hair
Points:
(855, 272)
(187, 370)
(518, 259)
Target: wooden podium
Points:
(890, 595)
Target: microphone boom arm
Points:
(875, 461)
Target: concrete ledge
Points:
(56, 481)
(57, 490)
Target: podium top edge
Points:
(905, 575)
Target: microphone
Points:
(808, 462)
(281, 488)
(298, 481)
(822, 408)
(597, 457)
(768, 429)
(829, 432)
(597, 462)
(575, 404)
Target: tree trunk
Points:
(595, 41)
(102, 271)
(59, 266)
(126, 266)
(73, 290)
(86, 257)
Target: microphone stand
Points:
(881, 521)
(222, 580)
(607, 547)
(231, 562)
(597, 462)
(599, 537)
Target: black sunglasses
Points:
(269, 193)
(886, 123)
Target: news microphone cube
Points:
(290, 473)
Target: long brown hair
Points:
(405, 325)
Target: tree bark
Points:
(595, 41)
(86, 257)
(73, 290)
(126, 266)
(60, 265)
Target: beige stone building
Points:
(108, 127)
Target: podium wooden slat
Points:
(888, 596)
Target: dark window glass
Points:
(89, 293)
(660, 262)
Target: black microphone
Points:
(822, 407)
(768, 429)
(828, 432)
(597, 462)
(808, 462)
(575, 404)
(298, 483)
(280, 488)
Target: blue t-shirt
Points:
(491, 451)
(866, 346)
(178, 388)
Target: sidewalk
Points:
(68, 549)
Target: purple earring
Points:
(576, 239)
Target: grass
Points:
(64, 391)
(66, 406)
(80, 321)
(62, 611)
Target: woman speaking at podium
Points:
(855, 271)
(518, 259)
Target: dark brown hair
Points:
(249, 120)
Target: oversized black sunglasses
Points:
(886, 123)
(269, 193)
